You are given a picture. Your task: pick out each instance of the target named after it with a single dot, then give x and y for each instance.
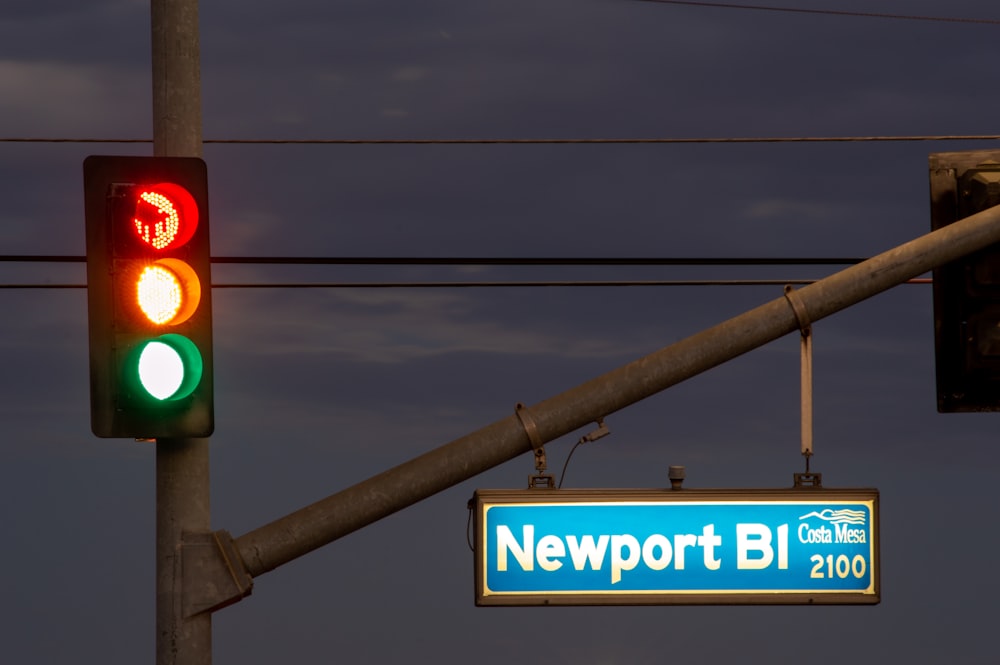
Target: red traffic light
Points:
(166, 215)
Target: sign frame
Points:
(485, 500)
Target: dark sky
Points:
(319, 389)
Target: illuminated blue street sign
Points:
(636, 547)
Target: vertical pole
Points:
(176, 79)
(807, 395)
(182, 480)
(182, 490)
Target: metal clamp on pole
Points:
(805, 328)
(540, 478)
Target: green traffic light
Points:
(165, 368)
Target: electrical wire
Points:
(572, 450)
(468, 526)
(480, 285)
(539, 141)
(477, 260)
(470, 261)
(828, 12)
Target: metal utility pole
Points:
(309, 528)
(182, 479)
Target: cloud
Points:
(410, 73)
(61, 99)
(398, 326)
(770, 208)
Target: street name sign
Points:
(676, 547)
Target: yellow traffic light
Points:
(167, 292)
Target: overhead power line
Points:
(479, 260)
(476, 261)
(829, 12)
(474, 285)
(539, 141)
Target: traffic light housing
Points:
(149, 297)
(966, 291)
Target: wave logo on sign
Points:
(842, 520)
(842, 516)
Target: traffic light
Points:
(966, 291)
(149, 297)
